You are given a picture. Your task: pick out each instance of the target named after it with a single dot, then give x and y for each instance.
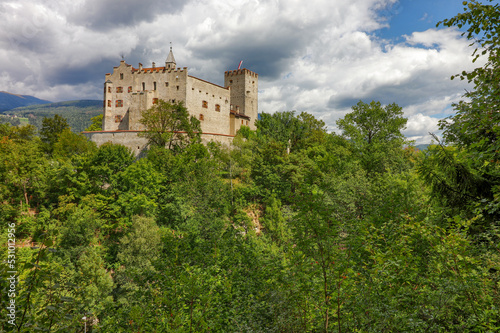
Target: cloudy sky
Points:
(318, 56)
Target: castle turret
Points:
(170, 62)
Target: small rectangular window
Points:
(121, 76)
(109, 103)
(119, 89)
(119, 103)
(202, 117)
(154, 85)
(177, 87)
(204, 104)
(109, 89)
(118, 119)
(155, 100)
(130, 89)
(143, 86)
(217, 107)
(166, 84)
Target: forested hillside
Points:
(77, 113)
(10, 101)
(290, 229)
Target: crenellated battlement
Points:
(240, 72)
(151, 70)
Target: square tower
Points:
(243, 85)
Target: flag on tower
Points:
(239, 66)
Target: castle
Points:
(221, 110)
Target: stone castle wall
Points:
(221, 110)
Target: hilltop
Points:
(10, 101)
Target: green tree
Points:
(294, 132)
(371, 123)
(169, 125)
(51, 130)
(375, 133)
(23, 133)
(96, 124)
(474, 127)
(69, 144)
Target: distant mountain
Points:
(77, 113)
(79, 104)
(10, 101)
(422, 146)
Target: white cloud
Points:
(318, 56)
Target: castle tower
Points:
(243, 85)
(170, 62)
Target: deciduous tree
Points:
(169, 125)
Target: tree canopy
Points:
(170, 125)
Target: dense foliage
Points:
(290, 229)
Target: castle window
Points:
(143, 86)
(173, 101)
(166, 84)
(230, 81)
(247, 122)
(204, 104)
(177, 87)
(119, 89)
(154, 85)
(217, 107)
(155, 100)
(109, 89)
(231, 107)
(121, 76)
(109, 103)
(118, 119)
(130, 89)
(242, 121)
(119, 103)
(202, 117)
